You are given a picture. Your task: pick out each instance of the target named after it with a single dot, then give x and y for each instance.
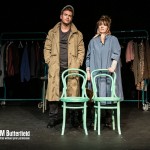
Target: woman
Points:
(104, 53)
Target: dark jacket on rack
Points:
(34, 59)
(2, 49)
(25, 68)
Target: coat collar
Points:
(73, 27)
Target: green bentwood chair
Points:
(102, 102)
(74, 102)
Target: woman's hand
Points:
(113, 66)
(111, 69)
(88, 75)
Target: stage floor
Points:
(26, 117)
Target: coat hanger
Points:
(20, 45)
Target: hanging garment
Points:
(25, 68)
(147, 60)
(2, 49)
(130, 51)
(34, 59)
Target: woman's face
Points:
(103, 29)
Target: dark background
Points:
(19, 16)
(40, 16)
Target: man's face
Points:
(66, 17)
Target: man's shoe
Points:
(51, 124)
(58, 121)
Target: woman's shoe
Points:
(108, 122)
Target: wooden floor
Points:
(26, 116)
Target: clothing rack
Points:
(25, 36)
(131, 34)
(135, 34)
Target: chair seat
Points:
(114, 99)
(74, 99)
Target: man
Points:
(64, 48)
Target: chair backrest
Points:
(77, 74)
(109, 77)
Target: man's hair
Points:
(68, 7)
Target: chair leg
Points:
(118, 119)
(95, 119)
(113, 120)
(84, 119)
(99, 119)
(64, 118)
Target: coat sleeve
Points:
(116, 49)
(88, 55)
(48, 47)
(81, 49)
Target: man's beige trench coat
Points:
(76, 53)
